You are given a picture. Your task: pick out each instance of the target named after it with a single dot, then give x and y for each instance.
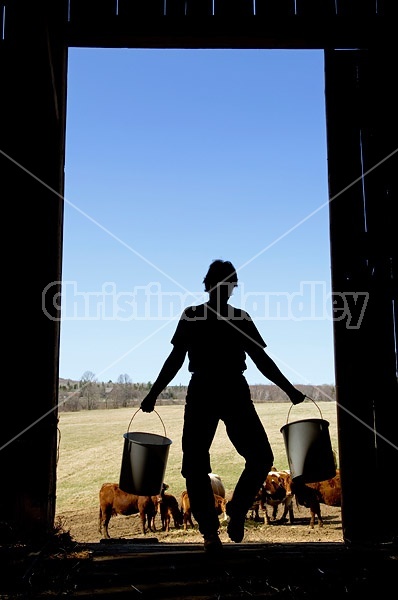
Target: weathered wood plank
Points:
(347, 229)
(32, 113)
(233, 32)
(199, 8)
(380, 163)
(128, 10)
(252, 570)
(315, 8)
(275, 8)
(358, 370)
(233, 8)
(92, 11)
(356, 8)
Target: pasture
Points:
(91, 444)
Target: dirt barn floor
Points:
(84, 527)
(289, 561)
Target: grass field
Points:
(91, 444)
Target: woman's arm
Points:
(268, 368)
(172, 365)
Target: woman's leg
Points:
(198, 433)
(247, 434)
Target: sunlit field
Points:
(91, 444)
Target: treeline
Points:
(89, 394)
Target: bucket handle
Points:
(128, 428)
(291, 406)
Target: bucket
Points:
(144, 461)
(309, 449)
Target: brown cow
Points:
(275, 491)
(114, 501)
(186, 510)
(257, 504)
(281, 498)
(168, 509)
(270, 487)
(219, 501)
(312, 495)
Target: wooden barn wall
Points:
(229, 23)
(362, 137)
(361, 130)
(32, 126)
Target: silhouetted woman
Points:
(217, 337)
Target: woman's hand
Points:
(296, 396)
(148, 403)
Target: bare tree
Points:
(126, 389)
(88, 388)
(105, 390)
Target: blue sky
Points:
(178, 157)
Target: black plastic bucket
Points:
(144, 462)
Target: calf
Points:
(277, 491)
(285, 481)
(114, 501)
(186, 510)
(312, 495)
(271, 493)
(257, 504)
(219, 502)
(169, 509)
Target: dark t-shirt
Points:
(216, 343)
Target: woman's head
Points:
(220, 271)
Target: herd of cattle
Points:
(278, 491)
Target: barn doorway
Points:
(212, 154)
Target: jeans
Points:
(211, 398)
